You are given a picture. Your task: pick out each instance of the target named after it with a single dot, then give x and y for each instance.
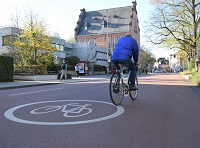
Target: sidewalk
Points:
(195, 88)
(19, 84)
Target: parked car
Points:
(157, 71)
(163, 71)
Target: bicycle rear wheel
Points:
(116, 89)
(133, 94)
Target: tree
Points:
(73, 60)
(198, 43)
(198, 48)
(174, 24)
(13, 50)
(154, 2)
(183, 57)
(71, 40)
(32, 44)
(146, 57)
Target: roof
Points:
(163, 61)
(118, 21)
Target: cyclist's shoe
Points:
(115, 88)
(132, 88)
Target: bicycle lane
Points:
(154, 120)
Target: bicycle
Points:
(77, 111)
(119, 87)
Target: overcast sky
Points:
(62, 15)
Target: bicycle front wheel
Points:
(133, 94)
(116, 89)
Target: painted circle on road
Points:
(74, 109)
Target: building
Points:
(104, 27)
(175, 63)
(7, 34)
(65, 49)
(162, 64)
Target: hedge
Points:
(35, 69)
(98, 68)
(6, 69)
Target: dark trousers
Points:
(77, 73)
(129, 64)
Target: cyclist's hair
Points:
(128, 33)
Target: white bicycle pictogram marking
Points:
(9, 114)
(78, 110)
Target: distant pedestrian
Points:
(63, 70)
(146, 70)
(77, 70)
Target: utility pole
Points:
(107, 43)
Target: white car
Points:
(157, 71)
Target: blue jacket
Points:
(125, 48)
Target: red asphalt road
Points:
(165, 115)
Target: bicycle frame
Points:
(119, 88)
(125, 84)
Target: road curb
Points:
(51, 83)
(31, 85)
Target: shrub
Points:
(70, 67)
(98, 68)
(195, 78)
(35, 69)
(52, 67)
(186, 72)
(191, 66)
(6, 69)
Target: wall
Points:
(91, 53)
(36, 77)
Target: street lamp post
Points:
(107, 44)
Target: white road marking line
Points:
(87, 82)
(35, 92)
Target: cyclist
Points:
(125, 49)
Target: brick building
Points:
(104, 27)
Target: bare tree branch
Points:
(177, 21)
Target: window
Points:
(53, 45)
(6, 40)
(61, 48)
(115, 16)
(135, 24)
(114, 42)
(68, 51)
(108, 43)
(57, 46)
